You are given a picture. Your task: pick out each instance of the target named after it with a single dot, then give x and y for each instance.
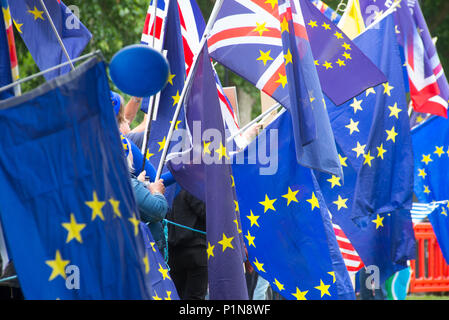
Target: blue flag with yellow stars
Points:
(67, 207)
(285, 222)
(431, 158)
(204, 171)
(373, 136)
(440, 225)
(162, 285)
(36, 31)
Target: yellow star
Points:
(339, 35)
(290, 196)
(326, 26)
(341, 203)
(282, 80)
(312, 24)
(96, 207)
(236, 206)
(18, 26)
(135, 223)
(115, 205)
(360, 149)
(74, 229)
(332, 273)
(146, 263)
(226, 242)
(439, 151)
(288, 57)
(250, 239)
(268, 204)
(341, 63)
(265, 57)
(170, 78)
(278, 284)
(335, 181)
(284, 26)
(356, 105)
(391, 135)
(352, 126)
(152, 246)
(176, 98)
(387, 88)
(206, 149)
(272, 2)
(210, 250)
(313, 202)
(222, 152)
(232, 181)
(37, 13)
(343, 161)
(378, 221)
(253, 219)
(426, 189)
(149, 155)
(260, 28)
(327, 65)
(368, 158)
(58, 266)
(162, 144)
(316, 62)
(369, 91)
(168, 295)
(177, 124)
(347, 56)
(394, 111)
(381, 151)
(300, 295)
(426, 158)
(156, 297)
(346, 46)
(443, 212)
(164, 272)
(259, 265)
(422, 173)
(324, 289)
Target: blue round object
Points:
(139, 70)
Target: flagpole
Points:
(187, 85)
(153, 105)
(57, 35)
(12, 47)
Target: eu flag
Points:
(36, 31)
(440, 225)
(203, 170)
(67, 207)
(431, 159)
(373, 136)
(285, 221)
(162, 285)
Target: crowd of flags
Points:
(340, 199)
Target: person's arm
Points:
(152, 205)
(131, 108)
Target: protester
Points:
(187, 248)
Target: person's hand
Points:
(157, 187)
(141, 176)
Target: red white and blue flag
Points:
(153, 30)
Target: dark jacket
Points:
(188, 211)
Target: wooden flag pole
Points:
(187, 85)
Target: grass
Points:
(443, 296)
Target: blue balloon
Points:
(139, 70)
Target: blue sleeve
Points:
(152, 208)
(150, 170)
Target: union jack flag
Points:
(148, 29)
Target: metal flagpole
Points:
(57, 35)
(187, 85)
(154, 100)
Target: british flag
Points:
(152, 34)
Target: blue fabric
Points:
(291, 239)
(39, 37)
(431, 160)
(373, 204)
(61, 160)
(153, 209)
(440, 224)
(211, 183)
